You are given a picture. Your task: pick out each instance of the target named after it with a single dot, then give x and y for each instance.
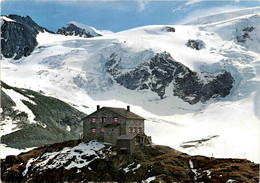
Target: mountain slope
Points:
(31, 119)
(163, 70)
(212, 60)
(18, 36)
(76, 161)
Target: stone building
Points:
(117, 126)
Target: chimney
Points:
(98, 107)
(128, 108)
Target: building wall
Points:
(109, 115)
(126, 143)
(134, 123)
(111, 134)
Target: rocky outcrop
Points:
(19, 36)
(224, 170)
(54, 119)
(162, 71)
(192, 90)
(76, 161)
(73, 30)
(245, 34)
(195, 44)
(168, 29)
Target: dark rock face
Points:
(155, 75)
(245, 34)
(163, 70)
(73, 30)
(161, 163)
(196, 44)
(169, 29)
(54, 113)
(191, 90)
(19, 36)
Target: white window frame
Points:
(93, 120)
(115, 119)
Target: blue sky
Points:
(118, 15)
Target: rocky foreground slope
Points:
(31, 119)
(76, 161)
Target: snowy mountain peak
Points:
(18, 36)
(89, 29)
(4, 18)
(76, 29)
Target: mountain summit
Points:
(18, 36)
(77, 29)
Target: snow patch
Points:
(208, 173)
(127, 169)
(149, 179)
(30, 161)
(6, 151)
(4, 18)
(193, 170)
(77, 156)
(17, 98)
(68, 128)
(230, 181)
(8, 126)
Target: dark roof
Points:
(123, 112)
(112, 125)
(126, 137)
(120, 111)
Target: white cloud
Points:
(179, 8)
(191, 2)
(142, 4)
(206, 12)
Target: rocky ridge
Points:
(19, 36)
(195, 44)
(47, 120)
(245, 34)
(76, 161)
(73, 30)
(162, 70)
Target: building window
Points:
(115, 119)
(102, 119)
(129, 129)
(93, 120)
(139, 130)
(133, 129)
(102, 130)
(93, 130)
